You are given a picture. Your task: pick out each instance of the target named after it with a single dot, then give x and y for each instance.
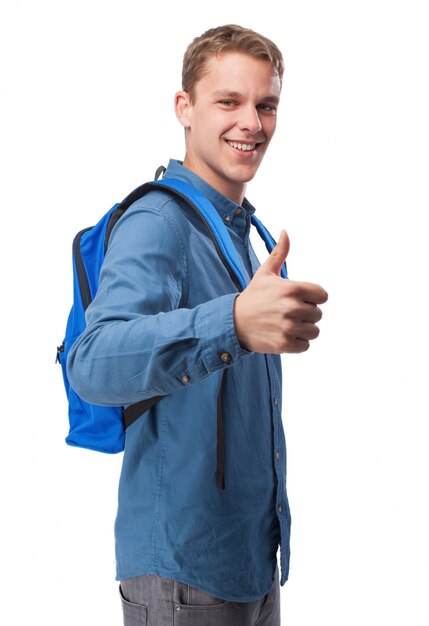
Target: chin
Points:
(245, 177)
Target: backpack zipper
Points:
(60, 350)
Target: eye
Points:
(228, 103)
(269, 108)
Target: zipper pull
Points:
(60, 349)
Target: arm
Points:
(140, 341)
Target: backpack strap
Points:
(269, 241)
(211, 217)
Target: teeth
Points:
(242, 146)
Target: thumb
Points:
(278, 255)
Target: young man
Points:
(167, 321)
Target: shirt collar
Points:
(226, 208)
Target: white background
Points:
(87, 115)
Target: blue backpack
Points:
(102, 428)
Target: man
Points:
(167, 321)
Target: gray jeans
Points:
(154, 601)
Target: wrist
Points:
(239, 326)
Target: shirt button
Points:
(177, 607)
(186, 378)
(225, 357)
(277, 456)
(227, 219)
(275, 401)
(238, 212)
(280, 508)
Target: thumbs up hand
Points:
(273, 315)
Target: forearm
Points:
(117, 362)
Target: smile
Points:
(245, 147)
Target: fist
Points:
(273, 315)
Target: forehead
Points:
(239, 72)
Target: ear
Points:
(182, 107)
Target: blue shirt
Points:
(161, 323)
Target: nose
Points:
(249, 120)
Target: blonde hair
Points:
(221, 40)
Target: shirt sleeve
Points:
(140, 340)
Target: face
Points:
(230, 122)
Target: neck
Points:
(233, 191)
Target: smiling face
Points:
(230, 121)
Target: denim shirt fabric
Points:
(161, 323)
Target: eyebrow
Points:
(225, 93)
